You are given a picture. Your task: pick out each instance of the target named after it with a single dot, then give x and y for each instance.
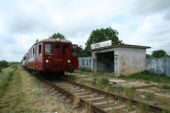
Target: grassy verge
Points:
(132, 93)
(148, 76)
(84, 71)
(5, 77)
(14, 99)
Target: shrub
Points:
(85, 69)
(149, 76)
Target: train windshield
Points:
(48, 49)
(74, 50)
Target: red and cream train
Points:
(52, 56)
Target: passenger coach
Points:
(52, 55)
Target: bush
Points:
(149, 76)
(85, 69)
(3, 64)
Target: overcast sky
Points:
(142, 22)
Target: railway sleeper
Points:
(77, 90)
(87, 96)
(79, 93)
(93, 98)
(102, 102)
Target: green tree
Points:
(159, 53)
(82, 52)
(3, 64)
(102, 34)
(57, 35)
(148, 56)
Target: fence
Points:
(156, 65)
(85, 62)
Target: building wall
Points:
(158, 65)
(131, 60)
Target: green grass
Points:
(143, 108)
(148, 76)
(14, 98)
(165, 86)
(5, 77)
(85, 70)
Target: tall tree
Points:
(57, 35)
(159, 53)
(82, 52)
(102, 34)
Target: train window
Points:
(48, 49)
(39, 49)
(33, 51)
(64, 49)
(57, 46)
(74, 51)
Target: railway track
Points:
(99, 101)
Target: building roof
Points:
(123, 46)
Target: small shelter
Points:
(121, 59)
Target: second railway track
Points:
(99, 101)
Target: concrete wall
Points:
(131, 60)
(85, 62)
(158, 65)
(161, 65)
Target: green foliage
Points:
(3, 64)
(85, 69)
(143, 108)
(148, 56)
(100, 35)
(149, 76)
(82, 52)
(4, 80)
(57, 35)
(159, 54)
(164, 86)
(101, 82)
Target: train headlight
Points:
(46, 61)
(68, 61)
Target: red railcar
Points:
(52, 55)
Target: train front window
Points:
(64, 49)
(74, 51)
(48, 49)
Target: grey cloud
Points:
(147, 7)
(151, 6)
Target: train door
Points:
(38, 57)
(75, 56)
(66, 54)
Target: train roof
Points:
(49, 40)
(54, 40)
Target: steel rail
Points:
(94, 108)
(115, 96)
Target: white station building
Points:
(122, 59)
